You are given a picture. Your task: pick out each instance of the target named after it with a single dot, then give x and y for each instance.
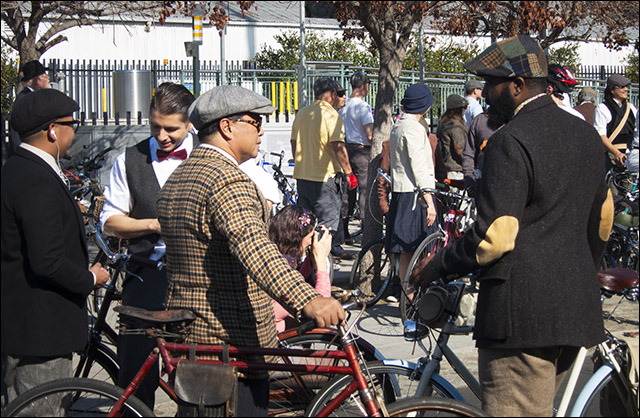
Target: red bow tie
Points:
(179, 154)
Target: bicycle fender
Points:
(436, 377)
(591, 385)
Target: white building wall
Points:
(243, 41)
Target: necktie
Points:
(179, 154)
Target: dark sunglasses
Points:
(256, 123)
(341, 93)
(72, 123)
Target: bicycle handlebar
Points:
(119, 261)
(349, 299)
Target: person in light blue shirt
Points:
(473, 91)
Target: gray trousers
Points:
(359, 160)
(324, 199)
(21, 373)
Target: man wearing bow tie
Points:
(130, 212)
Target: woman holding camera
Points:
(296, 233)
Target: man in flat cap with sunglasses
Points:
(221, 263)
(45, 274)
(543, 221)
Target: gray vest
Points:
(144, 189)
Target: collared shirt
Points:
(602, 116)
(356, 113)
(48, 158)
(473, 109)
(314, 129)
(119, 200)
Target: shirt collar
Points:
(187, 145)
(221, 151)
(526, 102)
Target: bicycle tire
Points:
(392, 381)
(621, 404)
(103, 367)
(287, 395)
(428, 245)
(428, 407)
(82, 397)
(371, 272)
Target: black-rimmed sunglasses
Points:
(72, 123)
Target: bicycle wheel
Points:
(371, 272)
(433, 407)
(428, 246)
(290, 393)
(101, 363)
(608, 397)
(391, 381)
(74, 397)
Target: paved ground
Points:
(381, 326)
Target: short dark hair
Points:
(536, 85)
(171, 99)
(213, 127)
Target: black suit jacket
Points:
(544, 215)
(45, 276)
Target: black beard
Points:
(502, 110)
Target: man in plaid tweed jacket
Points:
(221, 264)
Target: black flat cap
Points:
(38, 109)
(324, 84)
(32, 69)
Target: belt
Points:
(357, 145)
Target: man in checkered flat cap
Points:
(221, 263)
(543, 221)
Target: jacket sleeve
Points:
(506, 184)
(383, 188)
(238, 218)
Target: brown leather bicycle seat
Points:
(617, 279)
(158, 317)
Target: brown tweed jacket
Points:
(221, 264)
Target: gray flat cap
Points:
(224, 101)
(455, 101)
(473, 84)
(618, 80)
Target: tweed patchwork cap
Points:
(519, 56)
(223, 101)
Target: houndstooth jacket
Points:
(221, 264)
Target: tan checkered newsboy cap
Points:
(520, 56)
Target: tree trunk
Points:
(390, 68)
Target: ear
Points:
(225, 129)
(51, 134)
(517, 86)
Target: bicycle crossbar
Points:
(280, 367)
(248, 351)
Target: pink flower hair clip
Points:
(304, 219)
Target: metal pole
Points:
(421, 49)
(197, 41)
(302, 70)
(223, 58)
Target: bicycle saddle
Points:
(157, 317)
(617, 279)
